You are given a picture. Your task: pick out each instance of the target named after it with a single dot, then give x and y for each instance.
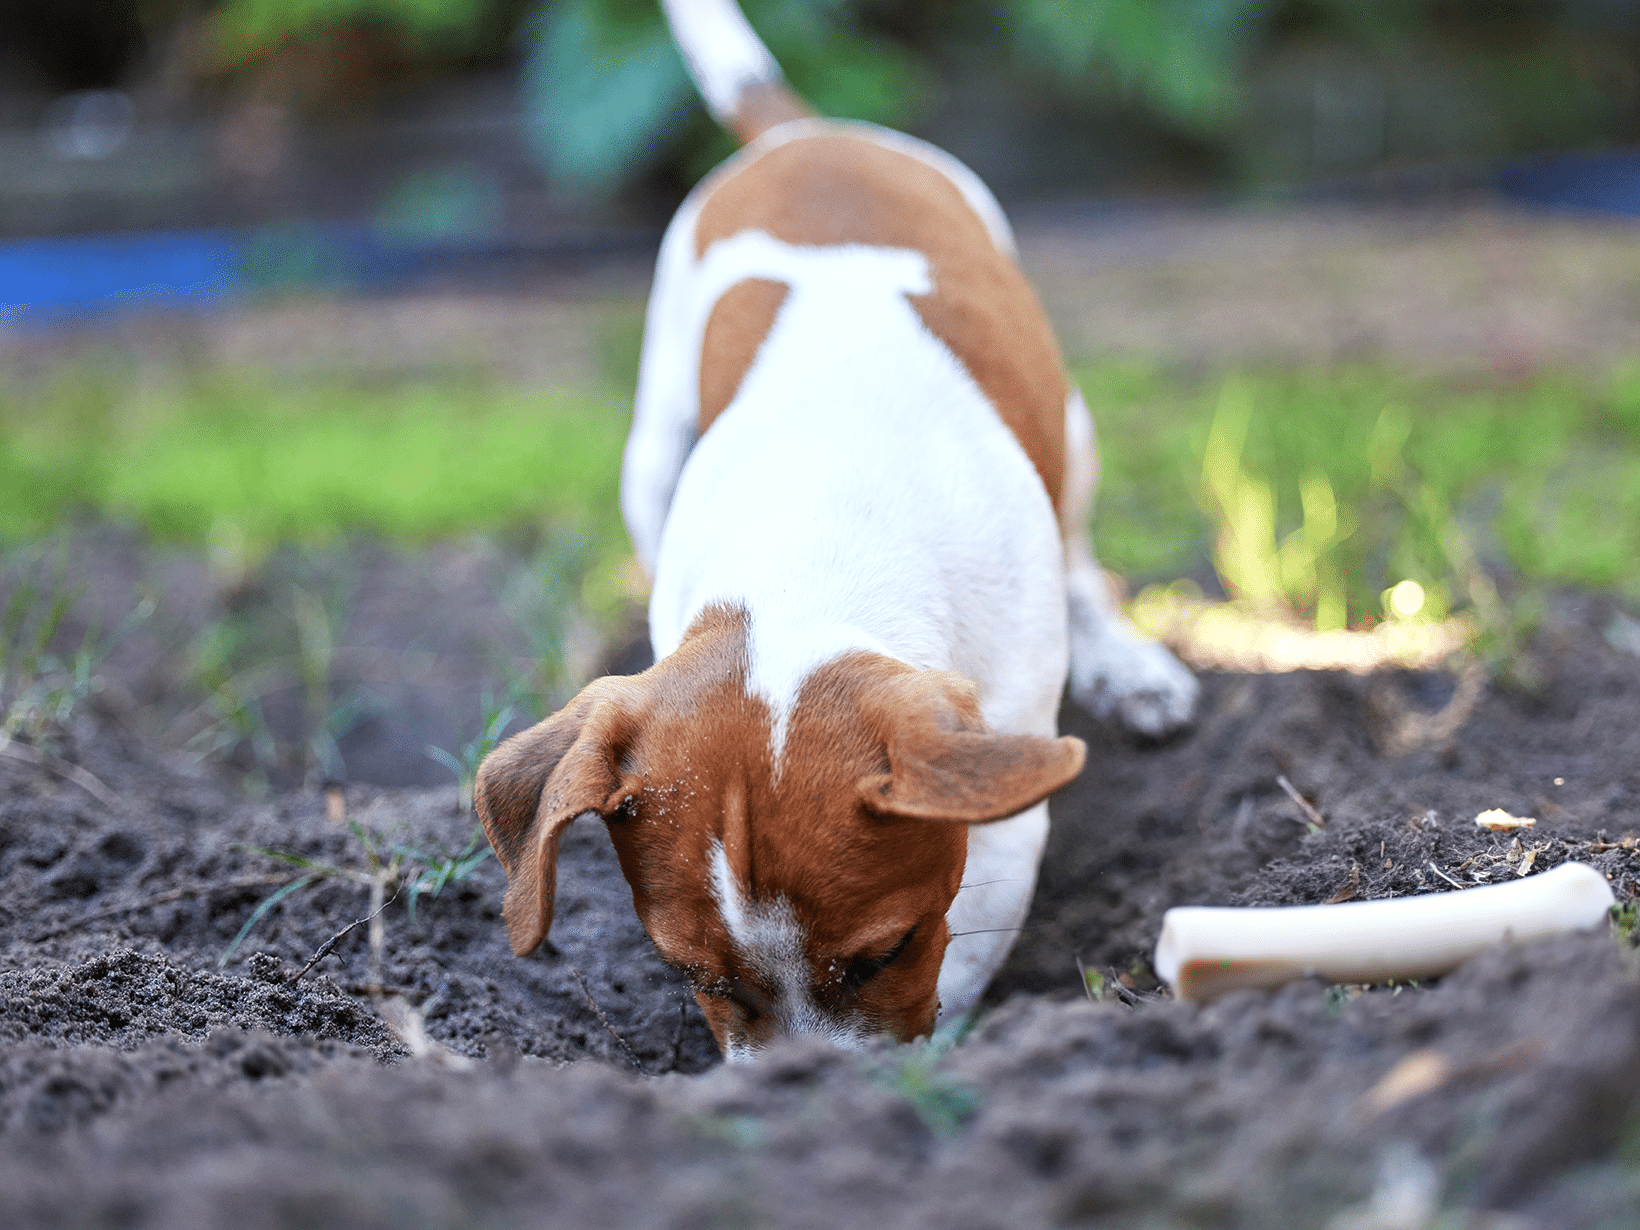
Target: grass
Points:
(235, 463)
(246, 460)
(944, 1103)
(1320, 490)
(284, 637)
(379, 866)
(46, 668)
(464, 762)
(1314, 491)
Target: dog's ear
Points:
(945, 764)
(531, 787)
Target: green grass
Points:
(262, 459)
(1542, 476)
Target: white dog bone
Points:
(1205, 952)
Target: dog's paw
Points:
(1122, 673)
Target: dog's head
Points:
(803, 889)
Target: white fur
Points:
(723, 54)
(667, 406)
(801, 504)
(985, 919)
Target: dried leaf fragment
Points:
(1500, 821)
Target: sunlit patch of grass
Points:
(1316, 492)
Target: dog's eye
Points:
(863, 969)
(752, 1002)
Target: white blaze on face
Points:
(768, 942)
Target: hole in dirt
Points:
(73, 886)
(122, 847)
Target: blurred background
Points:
(319, 323)
(516, 121)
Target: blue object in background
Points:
(46, 280)
(1600, 181)
(54, 277)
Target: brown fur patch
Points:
(739, 322)
(763, 105)
(838, 188)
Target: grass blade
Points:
(273, 899)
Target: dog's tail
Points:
(733, 70)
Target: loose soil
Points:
(145, 1082)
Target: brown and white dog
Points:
(861, 482)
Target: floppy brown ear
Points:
(531, 787)
(947, 765)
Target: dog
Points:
(860, 481)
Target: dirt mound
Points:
(123, 998)
(155, 1074)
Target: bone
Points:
(1205, 952)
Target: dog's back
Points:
(834, 184)
(851, 292)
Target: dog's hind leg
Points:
(1116, 670)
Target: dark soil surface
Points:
(145, 1082)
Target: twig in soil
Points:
(1082, 972)
(613, 1032)
(170, 895)
(325, 949)
(378, 929)
(1444, 876)
(1304, 805)
(27, 753)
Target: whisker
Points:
(983, 883)
(984, 931)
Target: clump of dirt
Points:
(123, 997)
(146, 1082)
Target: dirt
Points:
(146, 1081)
